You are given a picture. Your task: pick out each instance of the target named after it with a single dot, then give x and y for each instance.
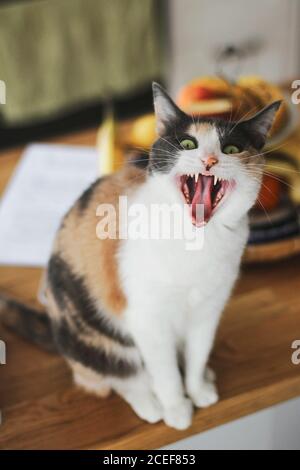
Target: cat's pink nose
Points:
(210, 161)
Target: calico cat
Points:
(123, 311)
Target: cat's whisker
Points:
(267, 151)
(145, 152)
(264, 172)
(264, 209)
(289, 170)
(169, 143)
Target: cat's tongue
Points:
(203, 196)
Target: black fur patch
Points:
(234, 134)
(165, 151)
(70, 345)
(66, 286)
(85, 198)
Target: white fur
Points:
(175, 296)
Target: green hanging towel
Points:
(62, 54)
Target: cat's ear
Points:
(166, 111)
(259, 125)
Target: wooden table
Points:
(42, 409)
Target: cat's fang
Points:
(203, 191)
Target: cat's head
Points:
(214, 163)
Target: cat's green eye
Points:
(188, 144)
(230, 149)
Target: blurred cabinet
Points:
(267, 30)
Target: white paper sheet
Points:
(47, 181)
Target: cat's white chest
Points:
(164, 278)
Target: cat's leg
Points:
(160, 359)
(199, 379)
(156, 341)
(137, 392)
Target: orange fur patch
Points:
(89, 257)
(199, 127)
(89, 380)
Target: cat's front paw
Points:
(147, 408)
(179, 416)
(206, 395)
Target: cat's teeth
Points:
(215, 180)
(196, 177)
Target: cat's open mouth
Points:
(203, 194)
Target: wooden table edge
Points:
(147, 437)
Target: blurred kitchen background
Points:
(62, 60)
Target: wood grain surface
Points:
(41, 409)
